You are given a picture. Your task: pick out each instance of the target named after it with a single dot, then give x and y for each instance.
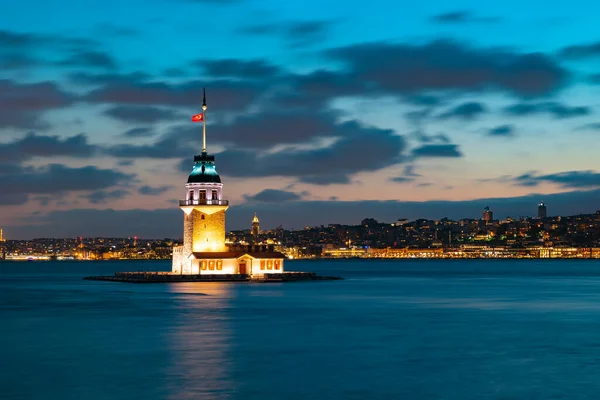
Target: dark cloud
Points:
(594, 126)
(465, 111)
(444, 65)
(594, 78)
(113, 78)
(13, 199)
(105, 196)
(462, 17)
(22, 105)
(264, 130)
(153, 191)
(139, 132)
(226, 96)
(437, 150)
(237, 68)
(358, 149)
(160, 223)
(502, 130)
(125, 163)
(295, 33)
(408, 175)
(581, 51)
(567, 180)
(142, 114)
(274, 195)
(27, 50)
(58, 178)
(33, 145)
(557, 110)
(89, 59)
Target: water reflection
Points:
(199, 342)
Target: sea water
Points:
(393, 329)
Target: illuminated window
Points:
(270, 264)
(211, 265)
(262, 264)
(203, 195)
(277, 264)
(219, 265)
(191, 196)
(214, 195)
(203, 265)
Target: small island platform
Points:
(167, 277)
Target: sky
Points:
(319, 112)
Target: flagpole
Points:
(204, 107)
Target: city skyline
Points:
(315, 117)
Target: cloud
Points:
(333, 164)
(595, 126)
(142, 114)
(153, 191)
(296, 33)
(105, 196)
(33, 145)
(269, 128)
(437, 150)
(462, 17)
(56, 179)
(238, 68)
(408, 175)
(568, 180)
(274, 195)
(449, 65)
(581, 51)
(336, 163)
(22, 105)
(89, 59)
(139, 132)
(465, 111)
(114, 78)
(557, 110)
(502, 130)
(227, 95)
(27, 50)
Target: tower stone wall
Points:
(208, 231)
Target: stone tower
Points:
(204, 210)
(255, 227)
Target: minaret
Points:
(204, 209)
(1, 235)
(255, 227)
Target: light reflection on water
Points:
(200, 364)
(392, 330)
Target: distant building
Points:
(1, 235)
(488, 216)
(255, 227)
(541, 210)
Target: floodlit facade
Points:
(204, 206)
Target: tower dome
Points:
(204, 170)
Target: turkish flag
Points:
(198, 118)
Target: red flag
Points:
(198, 118)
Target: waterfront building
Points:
(204, 250)
(541, 210)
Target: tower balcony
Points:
(203, 202)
